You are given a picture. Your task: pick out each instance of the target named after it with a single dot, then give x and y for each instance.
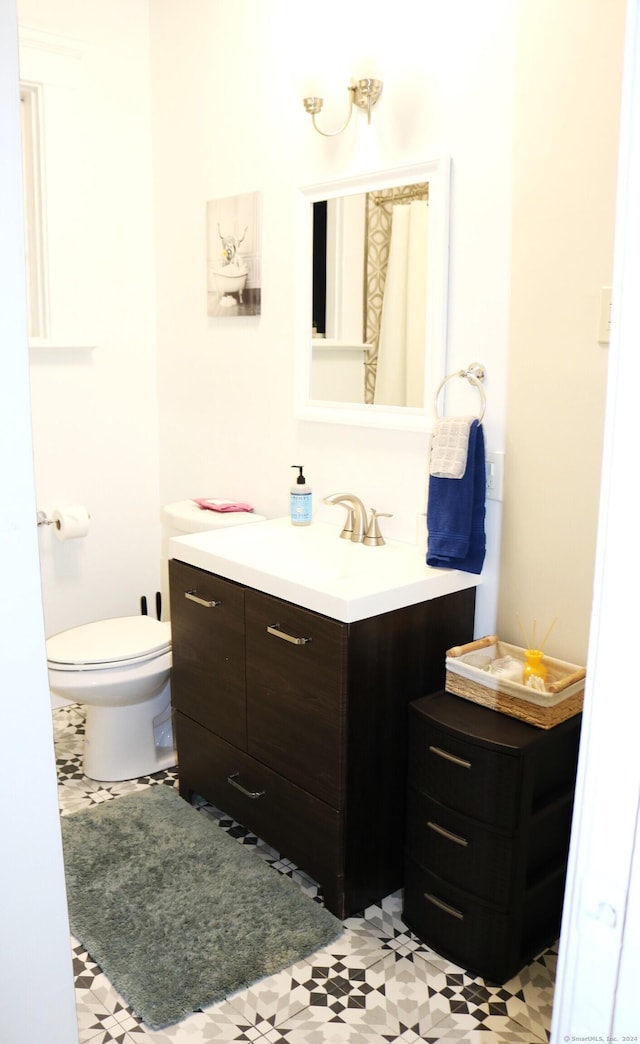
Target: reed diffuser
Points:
(534, 673)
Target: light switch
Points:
(494, 475)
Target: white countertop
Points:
(312, 567)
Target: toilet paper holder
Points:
(42, 520)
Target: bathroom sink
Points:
(312, 567)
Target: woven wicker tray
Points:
(467, 676)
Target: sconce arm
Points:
(364, 94)
(314, 105)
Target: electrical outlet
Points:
(494, 470)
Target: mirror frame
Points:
(404, 418)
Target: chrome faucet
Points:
(356, 527)
(355, 524)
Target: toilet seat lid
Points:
(124, 639)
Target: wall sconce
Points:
(364, 94)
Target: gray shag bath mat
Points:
(177, 914)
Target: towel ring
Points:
(475, 374)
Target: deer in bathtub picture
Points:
(234, 231)
(231, 275)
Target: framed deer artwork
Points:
(234, 255)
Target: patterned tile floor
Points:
(377, 983)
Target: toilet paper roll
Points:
(71, 522)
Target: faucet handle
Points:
(349, 522)
(373, 537)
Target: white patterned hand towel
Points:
(449, 447)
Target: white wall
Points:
(564, 195)
(95, 419)
(597, 983)
(33, 911)
(529, 142)
(228, 118)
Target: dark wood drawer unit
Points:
(488, 821)
(295, 724)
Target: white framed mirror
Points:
(371, 336)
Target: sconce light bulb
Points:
(313, 105)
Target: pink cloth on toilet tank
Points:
(221, 505)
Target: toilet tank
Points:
(183, 517)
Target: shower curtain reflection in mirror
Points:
(397, 255)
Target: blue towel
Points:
(456, 512)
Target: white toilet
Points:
(120, 670)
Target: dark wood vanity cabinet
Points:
(295, 724)
(488, 822)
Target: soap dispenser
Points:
(300, 500)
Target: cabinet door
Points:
(296, 668)
(207, 629)
(288, 818)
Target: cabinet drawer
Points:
(285, 816)
(459, 849)
(464, 776)
(296, 704)
(467, 931)
(207, 639)
(476, 935)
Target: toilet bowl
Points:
(120, 671)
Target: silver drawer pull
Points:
(275, 630)
(444, 906)
(462, 762)
(253, 794)
(456, 838)
(193, 596)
